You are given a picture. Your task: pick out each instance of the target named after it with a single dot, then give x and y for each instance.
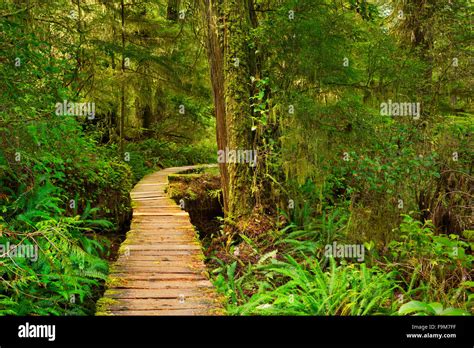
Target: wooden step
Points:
(150, 276)
(160, 304)
(168, 284)
(191, 292)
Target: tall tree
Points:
(237, 82)
(215, 49)
(122, 85)
(232, 66)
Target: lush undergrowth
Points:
(62, 202)
(286, 271)
(296, 278)
(57, 190)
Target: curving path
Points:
(160, 270)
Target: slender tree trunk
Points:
(122, 94)
(113, 113)
(215, 50)
(147, 121)
(416, 27)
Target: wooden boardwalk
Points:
(160, 269)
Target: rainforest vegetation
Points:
(342, 130)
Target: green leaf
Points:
(468, 284)
(415, 307)
(437, 307)
(455, 311)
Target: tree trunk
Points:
(122, 92)
(231, 66)
(237, 90)
(416, 26)
(215, 50)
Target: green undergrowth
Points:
(420, 273)
(61, 194)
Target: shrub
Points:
(293, 288)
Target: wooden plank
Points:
(153, 234)
(156, 226)
(168, 284)
(160, 219)
(164, 252)
(155, 293)
(157, 236)
(148, 198)
(156, 232)
(132, 247)
(154, 269)
(138, 255)
(156, 264)
(163, 213)
(160, 199)
(155, 205)
(145, 304)
(133, 257)
(159, 209)
(162, 228)
(150, 276)
(145, 193)
(143, 240)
